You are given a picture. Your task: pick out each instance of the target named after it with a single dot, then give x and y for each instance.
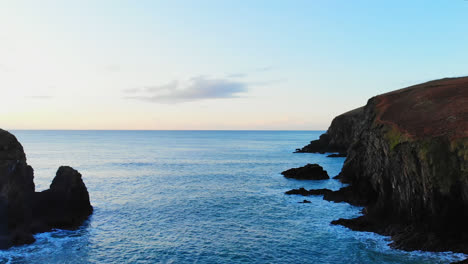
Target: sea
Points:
(198, 197)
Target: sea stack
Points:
(408, 162)
(24, 212)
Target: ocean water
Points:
(198, 197)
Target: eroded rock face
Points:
(308, 172)
(19, 204)
(340, 134)
(65, 205)
(409, 162)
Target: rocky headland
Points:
(407, 165)
(24, 212)
(339, 135)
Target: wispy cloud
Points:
(198, 88)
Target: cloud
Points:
(198, 88)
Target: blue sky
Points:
(217, 64)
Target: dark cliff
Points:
(23, 211)
(340, 134)
(409, 162)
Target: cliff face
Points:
(409, 162)
(340, 134)
(22, 210)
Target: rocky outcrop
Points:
(304, 192)
(24, 212)
(337, 155)
(340, 134)
(408, 165)
(345, 194)
(65, 205)
(308, 172)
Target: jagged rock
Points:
(340, 134)
(66, 204)
(305, 201)
(304, 192)
(19, 203)
(408, 165)
(308, 172)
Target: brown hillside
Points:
(430, 109)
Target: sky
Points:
(220, 64)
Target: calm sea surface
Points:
(197, 197)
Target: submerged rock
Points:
(24, 212)
(308, 172)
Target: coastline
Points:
(406, 170)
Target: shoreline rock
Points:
(24, 212)
(307, 172)
(337, 155)
(407, 164)
(339, 136)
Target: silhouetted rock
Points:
(410, 163)
(305, 201)
(19, 203)
(304, 192)
(340, 134)
(308, 172)
(66, 204)
(407, 164)
(337, 155)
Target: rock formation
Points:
(340, 134)
(337, 155)
(23, 211)
(308, 172)
(407, 163)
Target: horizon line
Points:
(165, 129)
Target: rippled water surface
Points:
(197, 197)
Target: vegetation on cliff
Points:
(407, 163)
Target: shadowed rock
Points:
(407, 164)
(337, 155)
(24, 212)
(339, 136)
(65, 205)
(304, 192)
(308, 172)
